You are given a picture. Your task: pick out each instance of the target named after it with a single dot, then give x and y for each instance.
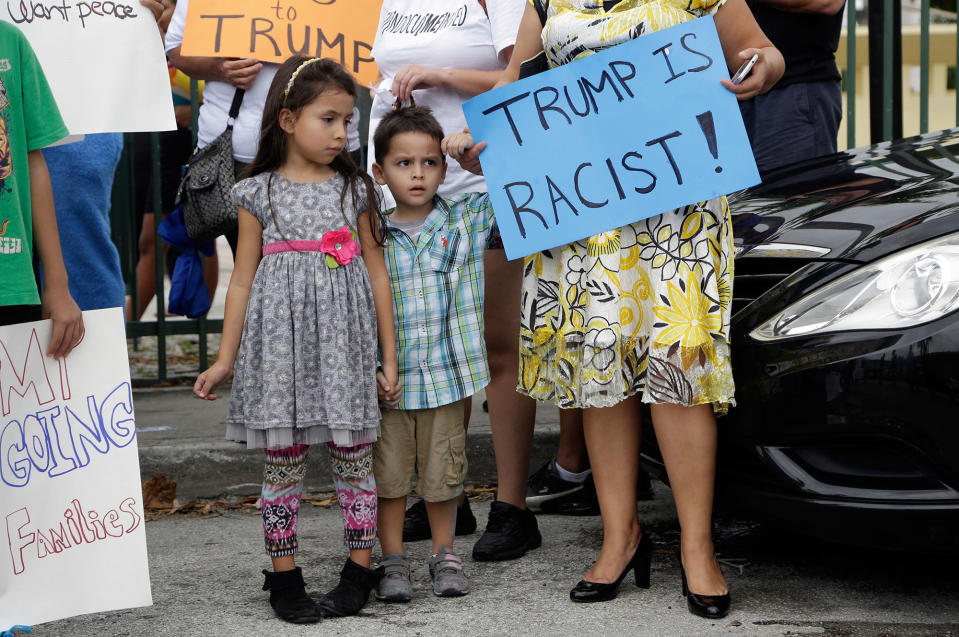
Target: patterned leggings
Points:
(283, 490)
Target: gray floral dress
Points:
(305, 372)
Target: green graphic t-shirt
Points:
(29, 120)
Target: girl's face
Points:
(318, 132)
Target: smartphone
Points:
(745, 69)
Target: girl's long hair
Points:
(310, 82)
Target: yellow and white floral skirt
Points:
(643, 309)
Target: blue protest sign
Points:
(624, 134)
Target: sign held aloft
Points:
(625, 134)
(274, 30)
(104, 62)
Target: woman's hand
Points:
(741, 37)
(414, 76)
(155, 6)
(210, 379)
(463, 148)
(458, 143)
(761, 73)
(60, 307)
(240, 72)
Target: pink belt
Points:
(292, 246)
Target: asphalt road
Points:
(206, 581)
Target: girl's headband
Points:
(289, 85)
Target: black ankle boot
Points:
(288, 597)
(350, 595)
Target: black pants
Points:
(13, 314)
(792, 123)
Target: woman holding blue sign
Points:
(639, 313)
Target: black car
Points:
(845, 340)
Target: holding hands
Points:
(388, 386)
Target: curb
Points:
(182, 437)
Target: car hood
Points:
(853, 206)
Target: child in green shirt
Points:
(30, 120)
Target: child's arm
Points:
(383, 300)
(249, 251)
(55, 301)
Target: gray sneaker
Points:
(446, 571)
(395, 585)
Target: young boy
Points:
(29, 120)
(434, 254)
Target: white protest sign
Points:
(104, 61)
(72, 537)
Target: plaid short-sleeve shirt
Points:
(438, 302)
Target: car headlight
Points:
(914, 286)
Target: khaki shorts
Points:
(426, 444)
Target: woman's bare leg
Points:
(571, 454)
(612, 439)
(687, 440)
(511, 414)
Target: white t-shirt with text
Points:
(447, 35)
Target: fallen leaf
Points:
(325, 503)
(159, 494)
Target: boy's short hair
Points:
(414, 119)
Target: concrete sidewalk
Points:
(206, 579)
(182, 437)
(205, 571)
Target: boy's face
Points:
(413, 169)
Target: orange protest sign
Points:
(274, 30)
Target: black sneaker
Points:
(416, 524)
(510, 532)
(546, 492)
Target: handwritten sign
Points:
(104, 61)
(622, 135)
(72, 535)
(274, 30)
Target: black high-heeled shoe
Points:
(708, 606)
(640, 564)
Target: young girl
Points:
(309, 312)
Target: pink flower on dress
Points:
(340, 245)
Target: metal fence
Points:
(885, 54)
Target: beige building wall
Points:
(942, 102)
